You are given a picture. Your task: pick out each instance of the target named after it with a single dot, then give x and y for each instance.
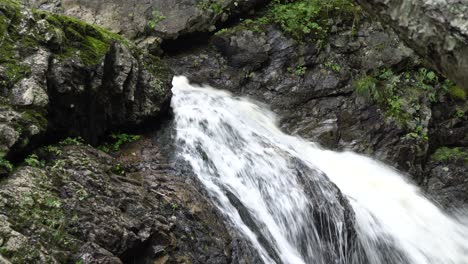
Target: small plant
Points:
(33, 161)
(118, 141)
(459, 113)
(53, 150)
(333, 66)
(156, 18)
(299, 70)
(367, 86)
(5, 164)
(118, 169)
(75, 141)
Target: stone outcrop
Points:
(436, 29)
(61, 76)
(151, 21)
(80, 205)
(347, 83)
(328, 93)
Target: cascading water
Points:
(279, 191)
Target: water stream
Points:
(298, 203)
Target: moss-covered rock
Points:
(60, 76)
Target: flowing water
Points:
(281, 191)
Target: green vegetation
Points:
(312, 17)
(65, 36)
(118, 169)
(39, 210)
(33, 161)
(155, 19)
(117, 141)
(215, 6)
(6, 165)
(454, 91)
(69, 141)
(53, 150)
(299, 70)
(333, 66)
(304, 19)
(400, 96)
(445, 154)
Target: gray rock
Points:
(80, 207)
(167, 19)
(62, 78)
(436, 29)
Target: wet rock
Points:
(446, 180)
(313, 89)
(86, 205)
(436, 30)
(62, 77)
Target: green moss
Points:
(88, 42)
(70, 38)
(34, 117)
(445, 154)
(41, 211)
(457, 93)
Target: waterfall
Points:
(298, 203)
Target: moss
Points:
(445, 154)
(36, 118)
(40, 211)
(88, 42)
(71, 37)
(457, 93)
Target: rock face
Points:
(59, 75)
(165, 19)
(436, 29)
(362, 89)
(343, 80)
(80, 205)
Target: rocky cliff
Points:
(334, 73)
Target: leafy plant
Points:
(333, 66)
(459, 113)
(53, 150)
(311, 17)
(118, 141)
(33, 161)
(156, 18)
(298, 70)
(72, 141)
(5, 164)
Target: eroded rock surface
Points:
(329, 92)
(60, 75)
(436, 29)
(164, 19)
(80, 204)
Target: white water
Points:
(236, 149)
